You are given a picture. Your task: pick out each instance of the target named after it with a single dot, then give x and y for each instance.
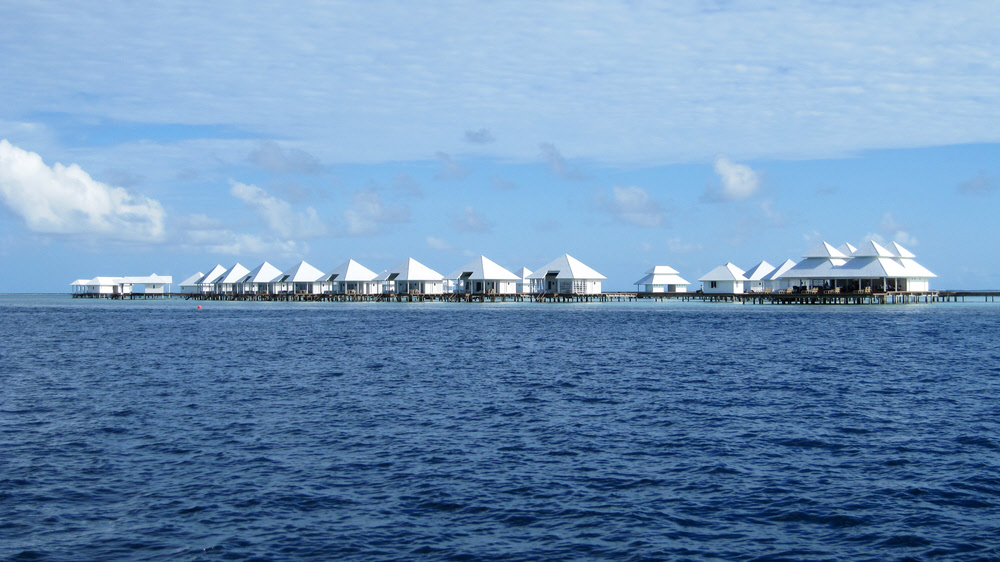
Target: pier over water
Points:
(815, 298)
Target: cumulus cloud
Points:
(982, 184)
(482, 136)
(633, 205)
(368, 212)
(471, 221)
(737, 181)
(892, 230)
(225, 241)
(557, 164)
(66, 200)
(449, 170)
(278, 214)
(270, 156)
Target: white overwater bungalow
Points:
(226, 284)
(206, 284)
(132, 284)
(301, 278)
(566, 275)
(258, 280)
(870, 268)
(725, 279)
(756, 275)
(483, 276)
(411, 277)
(190, 285)
(662, 279)
(774, 281)
(351, 278)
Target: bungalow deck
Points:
(820, 298)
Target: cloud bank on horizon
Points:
(513, 128)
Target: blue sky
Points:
(167, 138)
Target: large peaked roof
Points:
(350, 270)
(212, 276)
(759, 271)
(728, 272)
(901, 251)
(662, 275)
(483, 268)
(566, 267)
(192, 281)
(263, 273)
(780, 270)
(410, 270)
(233, 275)
(824, 250)
(872, 249)
(301, 272)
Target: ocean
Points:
(511, 431)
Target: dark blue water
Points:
(686, 431)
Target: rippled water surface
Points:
(688, 431)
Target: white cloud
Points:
(367, 213)
(66, 200)
(633, 205)
(471, 221)
(225, 241)
(278, 214)
(738, 181)
(778, 80)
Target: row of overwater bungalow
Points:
(870, 268)
(481, 276)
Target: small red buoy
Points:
(199, 307)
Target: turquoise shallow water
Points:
(510, 431)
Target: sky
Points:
(170, 137)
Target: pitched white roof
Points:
(566, 267)
(872, 249)
(846, 248)
(483, 268)
(524, 272)
(901, 251)
(662, 275)
(824, 250)
(80, 282)
(410, 270)
(350, 270)
(193, 280)
(728, 272)
(759, 271)
(263, 273)
(777, 273)
(301, 272)
(233, 274)
(210, 277)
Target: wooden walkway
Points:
(820, 298)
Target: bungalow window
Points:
(714, 285)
